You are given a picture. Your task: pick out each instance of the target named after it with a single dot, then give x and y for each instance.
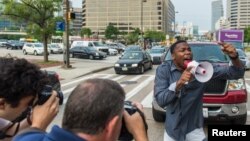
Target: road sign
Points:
(60, 26)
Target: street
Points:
(137, 87)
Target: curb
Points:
(94, 71)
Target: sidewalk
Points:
(79, 69)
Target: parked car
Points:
(112, 51)
(223, 99)
(86, 52)
(118, 46)
(156, 52)
(13, 44)
(243, 57)
(55, 48)
(33, 48)
(133, 62)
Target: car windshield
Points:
(38, 45)
(132, 55)
(98, 44)
(205, 52)
(157, 50)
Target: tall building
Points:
(217, 12)
(128, 15)
(77, 22)
(238, 13)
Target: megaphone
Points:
(202, 71)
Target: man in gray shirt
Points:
(176, 88)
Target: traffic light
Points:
(71, 15)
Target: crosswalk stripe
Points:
(119, 77)
(147, 101)
(139, 87)
(87, 77)
(71, 89)
(133, 79)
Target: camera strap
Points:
(3, 134)
(14, 122)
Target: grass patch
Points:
(50, 63)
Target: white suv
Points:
(33, 48)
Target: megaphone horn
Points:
(202, 71)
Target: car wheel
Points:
(159, 117)
(24, 52)
(142, 69)
(35, 53)
(240, 121)
(91, 57)
(117, 72)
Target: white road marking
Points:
(147, 101)
(139, 87)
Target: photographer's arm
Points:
(42, 115)
(135, 125)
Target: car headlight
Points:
(97, 54)
(134, 65)
(117, 65)
(236, 85)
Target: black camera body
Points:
(46, 93)
(124, 134)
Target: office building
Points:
(238, 13)
(217, 12)
(128, 15)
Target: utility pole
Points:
(66, 34)
(143, 45)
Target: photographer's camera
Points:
(46, 93)
(125, 135)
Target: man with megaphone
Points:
(179, 85)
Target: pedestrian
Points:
(184, 117)
(20, 84)
(93, 112)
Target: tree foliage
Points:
(86, 31)
(247, 34)
(155, 35)
(38, 14)
(111, 32)
(133, 36)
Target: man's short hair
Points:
(18, 79)
(92, 104)
(172, 47)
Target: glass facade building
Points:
(217, 12)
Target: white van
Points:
(96, 44)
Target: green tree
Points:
(133, 36)
(111, 32)
(247, 34)
(39, 14)
(155, 35)
(86, 31)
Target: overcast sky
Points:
(196, 11)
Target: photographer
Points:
(94, 112)
(20, 83)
